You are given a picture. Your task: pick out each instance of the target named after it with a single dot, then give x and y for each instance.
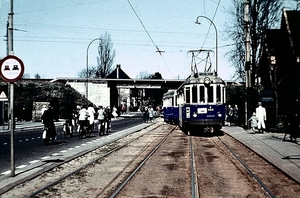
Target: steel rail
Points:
(259, 181)
(194, 180)
(123, 184)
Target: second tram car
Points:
(201, 102)
(170, 107)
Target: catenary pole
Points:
(247, 58)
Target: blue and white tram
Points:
(201, 102)
(170, 107)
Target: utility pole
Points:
(11, 90)
(10, 30)
(247, 57)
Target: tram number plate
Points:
(202, 110)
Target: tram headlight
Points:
(206, 80)
(219, 114)
(194, 114)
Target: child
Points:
(253, 121)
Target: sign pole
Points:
(11, 109)
(11, 70)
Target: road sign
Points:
(11, 68)
(3, 96)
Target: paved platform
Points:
(283, 154)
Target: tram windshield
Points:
(205, 94)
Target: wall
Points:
(99, 93)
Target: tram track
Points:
(122, 185)
(53, 177)
(225, 167)
(250, 171)
(161, 161)
(274, 181)
(219, 173)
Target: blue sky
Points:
(53, 36)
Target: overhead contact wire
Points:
(157, 49)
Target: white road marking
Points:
(34, 161)
(5, 173)
(21, 166)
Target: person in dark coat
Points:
(48, 121)
(107, 118)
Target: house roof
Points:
(118, 73)
(273, 45)
(290, 21)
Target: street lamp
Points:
(87, 66)
(197, 22)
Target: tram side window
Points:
(194, 94)
(187, 95)
(201, 94)
(218, 93)
(172, 102)
(210, 93)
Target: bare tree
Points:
(144, 75)
(105, 60)
(37, 76)
(264, 14)
(106, 57)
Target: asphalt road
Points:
(29, 145)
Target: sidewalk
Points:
(283, 154)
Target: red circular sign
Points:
(11, 68)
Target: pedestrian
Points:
(108, 119)
(236, 115)
(229, 114)
(75, 121)
(101, 120)
(151, 113)
(68, 115)
(145, 114)
(48, 121)
(253, 122)
(44, 108)
(91, 118)
(262, 117)
(114, 112)
(83, 119)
